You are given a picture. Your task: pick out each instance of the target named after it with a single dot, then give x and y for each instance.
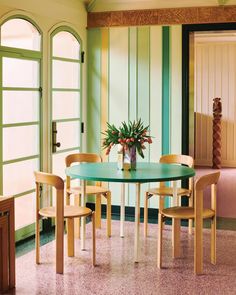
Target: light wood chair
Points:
(96, 190)
(198, 213)
(59, 213)
(164, 191)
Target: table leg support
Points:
(122, 210)
(137, 221)
(83, 219)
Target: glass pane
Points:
(25, 210)
(20, 106)
(20, 72)
(66, 45)
(68, 134)
(20, 33)
(66, 74)
(58, 163)
(20, 142)
(19, 177)
(65, 105)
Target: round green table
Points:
(145, 172)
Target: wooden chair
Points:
(198, 213)
(59, 213)
(164, 191)
(96, 190)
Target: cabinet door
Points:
(4, 258)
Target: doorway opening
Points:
(209, 71)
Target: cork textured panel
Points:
(191, 15)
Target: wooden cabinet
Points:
(7, 243)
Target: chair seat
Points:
(69, 211)
(90, 190)
(185, 212)
(168, 191)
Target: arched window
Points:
(66, 95)
(20, 92)
(20, 33)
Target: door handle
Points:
(55, 144)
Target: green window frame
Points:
(62, 89)
(22, 54)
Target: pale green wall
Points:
(138, 60)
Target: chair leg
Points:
(190, 221)
(59, 246)
(37, 239)
(213, 240)
(77, 202)
(198, 251)
(98, 210)
(176, 237)
(93, 239)
(108, 197)
(159, 245)
(146, 215)
(70, 236)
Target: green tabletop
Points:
(145, 172)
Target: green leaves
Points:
(128, 135)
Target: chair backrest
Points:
(49, 179)
(55, 181)
(206, 180)
(200, 184)
(82, 157)
(177, 159)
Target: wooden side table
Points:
(7, 243)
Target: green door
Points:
(65, 97)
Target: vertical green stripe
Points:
(165, 90)
(166, 95)
(94, 90)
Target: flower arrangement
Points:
(128, 135)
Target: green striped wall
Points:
(142, 78)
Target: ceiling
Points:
(114, 5)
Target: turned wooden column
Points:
(216, 142)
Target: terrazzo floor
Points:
(116, 273)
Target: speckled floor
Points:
(116, 273)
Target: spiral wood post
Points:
(216, 142)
